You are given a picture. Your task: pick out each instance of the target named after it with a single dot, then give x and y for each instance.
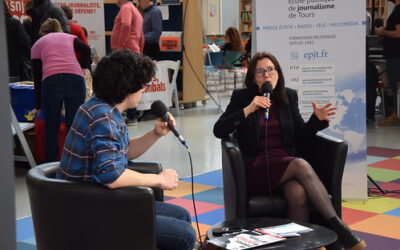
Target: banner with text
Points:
(320, 45)
(87, 13)
(158, 89)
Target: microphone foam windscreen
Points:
(266, 88)
(158, 108)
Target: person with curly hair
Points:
(98, 148)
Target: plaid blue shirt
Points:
(97, 144)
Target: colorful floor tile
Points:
(201, 207)
(377, 220)
(213, 178)
(185, 188)
(376, 242)
(214, 196)
(384, 175)
(351, 216)
(381, 224)
(393, 164)
(383, 152)
(373, 159)
(374, 204)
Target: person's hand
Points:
(324, 112)
(379, 30)
(258, 102)
(161, 127)
(33, 113)
(169, 179)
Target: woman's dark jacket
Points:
(18, 47)
(246, 130)
(39, 15)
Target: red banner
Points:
(17, 8)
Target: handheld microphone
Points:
(159, 109)
(266, 89)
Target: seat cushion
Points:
(266, 205)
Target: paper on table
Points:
(245, 239)
(287, 230)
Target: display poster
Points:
(320, 45)
(87, 13)
(158, 89)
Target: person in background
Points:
(127, 33)
(278, 162)
(102, 154)
(152, 28)
(28, 21)
(58, 79)
(93, 52)
(18, 45)
(247, 53)
(78, 31)
(232, 48)
(391, 52)
(75, 28)
(42, 10)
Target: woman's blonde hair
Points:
(234, 38)
(49, 26)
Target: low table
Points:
(319, 237)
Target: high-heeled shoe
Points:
(346, 238)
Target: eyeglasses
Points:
(271, 70)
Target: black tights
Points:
(300, 183)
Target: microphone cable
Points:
(267, 161)
(193, 199)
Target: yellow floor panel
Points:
(374, 204)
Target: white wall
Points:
(211, 16)
(230, 14)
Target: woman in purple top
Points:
(58, 79)
(279, 163)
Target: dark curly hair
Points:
(121, 73)
(279, 94)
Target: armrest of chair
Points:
(148, 167)
(327, 155)
(130, 209)
(234, 178)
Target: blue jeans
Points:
(393, 73)
(173, 227)
(59, 89)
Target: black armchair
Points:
(326, 154)
(70, 215)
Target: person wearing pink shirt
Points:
(127, 32)
(58, 79)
